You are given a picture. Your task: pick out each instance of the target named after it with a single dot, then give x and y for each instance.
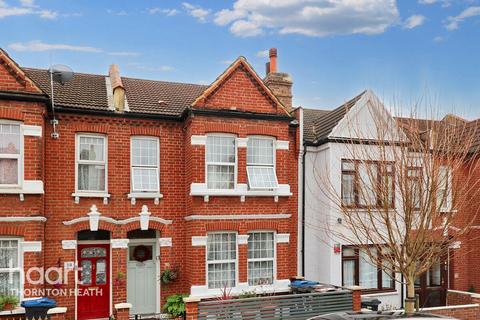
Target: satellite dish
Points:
(61, 73)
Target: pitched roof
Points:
(318, 124)
(89, 92)
(240, 62)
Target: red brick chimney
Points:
(117, 88)
(279, 82)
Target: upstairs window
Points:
(368, 184)
(145, 164)
(444, 189)
(91, 163)
(261, 163)
(10, 155)
(415, 186)
(221, 161)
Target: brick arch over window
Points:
(102, 225)
(11, 114)
(155, 225)
(91, 128)
(12, 229)
(247, 226)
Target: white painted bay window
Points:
(11, 155)
(145, 164)
(221, 161)
(91, 163)
(261, 258)
(10, 266)
(222, 260)
(261, 163)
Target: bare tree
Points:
(406, 190)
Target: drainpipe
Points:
(402, 293)
(303, 209)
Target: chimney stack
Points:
(117, 88)
(279, 82)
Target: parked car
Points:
(387, 315)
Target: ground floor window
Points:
(221, 260)
(261, 258)
(368, 271)
(10, 264)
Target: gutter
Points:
(21, 96)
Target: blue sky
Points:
(407, 51)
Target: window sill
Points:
(78, 195)
(241, 190)
(156, 196)
(18, 310)
(377, 292)
(28, 187)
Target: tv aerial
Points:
(61, 74)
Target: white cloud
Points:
(197, 12)
(438, 39)
(246, 28)
(27, 7)
(144, 67)
(453, 22)
(226, 62)
(309, 17)
(124, 53)
(28, 3)
(414, 21)
(262, 53)
(167, 12)
(38, 46)
(117, 13)
(445, 3)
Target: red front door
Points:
(93, 281)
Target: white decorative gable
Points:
(363, 120)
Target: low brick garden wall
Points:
(19, 314)
(460, 305)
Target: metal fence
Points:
(291, 306)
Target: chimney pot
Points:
(273, 60)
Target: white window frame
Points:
(274, 150)
(78, 162)
(207, 262)
(446, 205)
(151, 138)
(19, 267)
(235, 169)
(19, 157)
(274, 259)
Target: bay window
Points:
(10, 264)
(10, 155)
(367, 184)
(371, 272)
(222, 260)
(261, 163)
(91, 163)
(221, 161)
(261, 258)
(144, 164)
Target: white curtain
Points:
(348, 273)
(368, 271)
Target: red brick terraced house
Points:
(146, 177)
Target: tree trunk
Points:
(410, 300)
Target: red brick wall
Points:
(241, 92)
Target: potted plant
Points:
(169, 275)
(175, 306)
(120, 278)
(8, 302)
